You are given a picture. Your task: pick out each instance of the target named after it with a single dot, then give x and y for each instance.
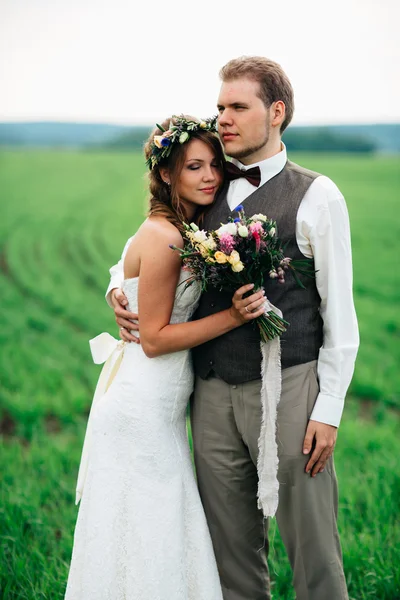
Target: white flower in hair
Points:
(183, 137)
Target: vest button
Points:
(212, 304)
(211, 363)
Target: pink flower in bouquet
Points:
(256, 230)
(226, 243)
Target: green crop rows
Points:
(64, 218)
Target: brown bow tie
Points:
(252, 175)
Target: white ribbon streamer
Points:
(106, 349)
(267, 462)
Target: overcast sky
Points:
(137, 61)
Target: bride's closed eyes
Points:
(195, 167)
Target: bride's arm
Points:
(159, 275)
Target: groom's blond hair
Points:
(274, 83)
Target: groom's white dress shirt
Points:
(322, 232)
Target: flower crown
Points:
(179, 131)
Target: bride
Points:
(141, 533)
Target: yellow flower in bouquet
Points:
(206, 246)
(203, 250)
(235, 262)
(209, 243)
(237, 267)
(221, 258)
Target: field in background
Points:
(64, 220)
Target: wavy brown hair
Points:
(164, 199)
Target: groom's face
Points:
(243, 119)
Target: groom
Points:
(255, 106)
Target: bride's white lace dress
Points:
(141, 532)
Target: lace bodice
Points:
(186, 300)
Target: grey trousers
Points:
(225, 425)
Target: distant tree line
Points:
(133, 139)
(323, 139)
(383, 138)
(309, 139)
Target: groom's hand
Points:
(323, 438)
(124, 319)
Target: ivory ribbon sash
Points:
(108, 350)
(271, 384)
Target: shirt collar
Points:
(268, 167)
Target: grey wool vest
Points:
(236, 356)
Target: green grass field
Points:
(63, 222)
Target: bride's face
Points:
(200, 177)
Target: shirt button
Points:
(211, 363)
(212, 304)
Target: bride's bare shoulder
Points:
(151, 243)
(158, 229)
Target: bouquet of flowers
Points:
(244, 250)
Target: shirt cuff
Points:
(113, 284)
(328, 409)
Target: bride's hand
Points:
(249, 308)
